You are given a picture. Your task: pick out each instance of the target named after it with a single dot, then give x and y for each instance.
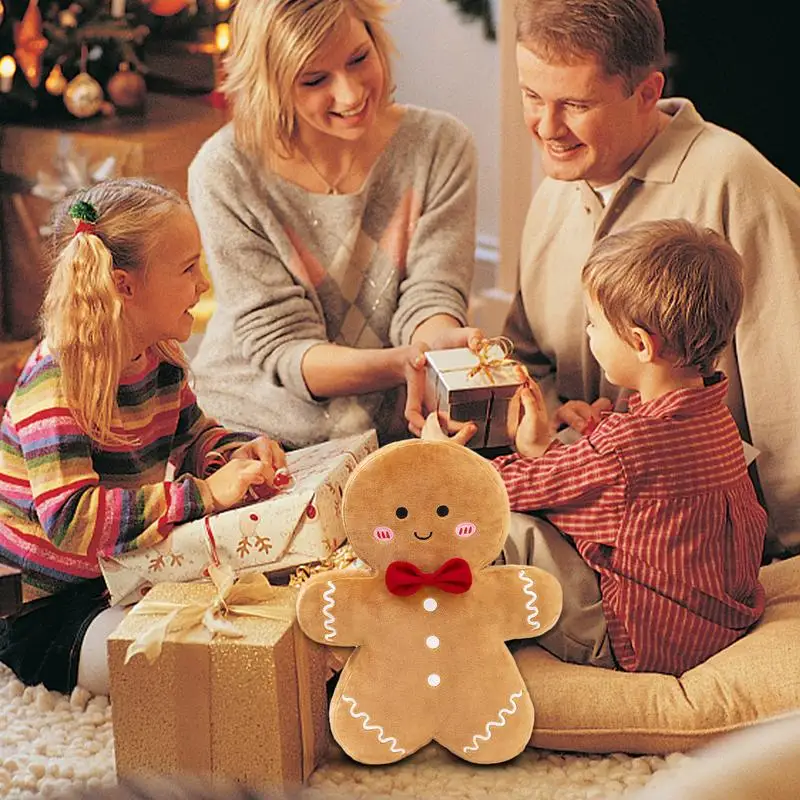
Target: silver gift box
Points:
(488, 398)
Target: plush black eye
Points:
(442, 511)
(402, 512)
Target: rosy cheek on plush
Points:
(383, 533)
(465, 529)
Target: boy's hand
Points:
(581, 416)
(229, 484)
(534, 433)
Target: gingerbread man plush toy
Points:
(430, 620)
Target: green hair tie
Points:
(83, 211)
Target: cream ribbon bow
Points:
(252, 595)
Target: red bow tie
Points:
(403, 578)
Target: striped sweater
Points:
(64, 499)
(659, 503)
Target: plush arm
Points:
(526, 600)
(333, 607)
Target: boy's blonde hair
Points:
(677, 281)
(82, 316)
(626, 36)
(271, 41)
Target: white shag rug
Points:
(51, 743)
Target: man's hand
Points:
(581, 416)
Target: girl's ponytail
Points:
(113, 225)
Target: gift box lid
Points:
(452, 368)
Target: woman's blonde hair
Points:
(626, 36)
(82, 316)
(271, 41)
(673, 279)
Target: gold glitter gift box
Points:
(251, 709)
(462, 386)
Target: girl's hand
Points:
(534, 433)
(581, 416)
(264, 450)
(230, 483)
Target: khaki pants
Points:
(580, 636)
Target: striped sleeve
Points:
(198, 434)
(563, 478)
(76, 512)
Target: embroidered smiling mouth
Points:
(423, 538)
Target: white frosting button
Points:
(429, 604)
(434, 679)
(432, 642)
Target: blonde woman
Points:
(101, 413)
(338, 225)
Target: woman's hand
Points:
(581, 416)
(534, 433)
(446, 339)
(231, 482)
(432, 430)
(457, 337)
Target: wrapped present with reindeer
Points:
(215, 680)
(299, 525)
(430, 617)
(481, 387)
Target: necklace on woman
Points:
(331, 188)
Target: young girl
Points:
(101, 417)
(656, 500)
(339, 228)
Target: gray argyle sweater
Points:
(291, 268)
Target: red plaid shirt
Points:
(659, 503)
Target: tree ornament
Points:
(166, 8)
(30, 44)
(83, 96)
(127, 89)
(56, 82)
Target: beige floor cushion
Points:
(588, 709)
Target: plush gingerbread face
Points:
(430, 620)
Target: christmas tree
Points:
(84, 57)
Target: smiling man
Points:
(615, 153)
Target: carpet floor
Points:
(51, 744)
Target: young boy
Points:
(657, 500)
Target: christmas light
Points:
(222, 36)
(222, 5)
(7, 69)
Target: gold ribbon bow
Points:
(487, 362)
(252, 595)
